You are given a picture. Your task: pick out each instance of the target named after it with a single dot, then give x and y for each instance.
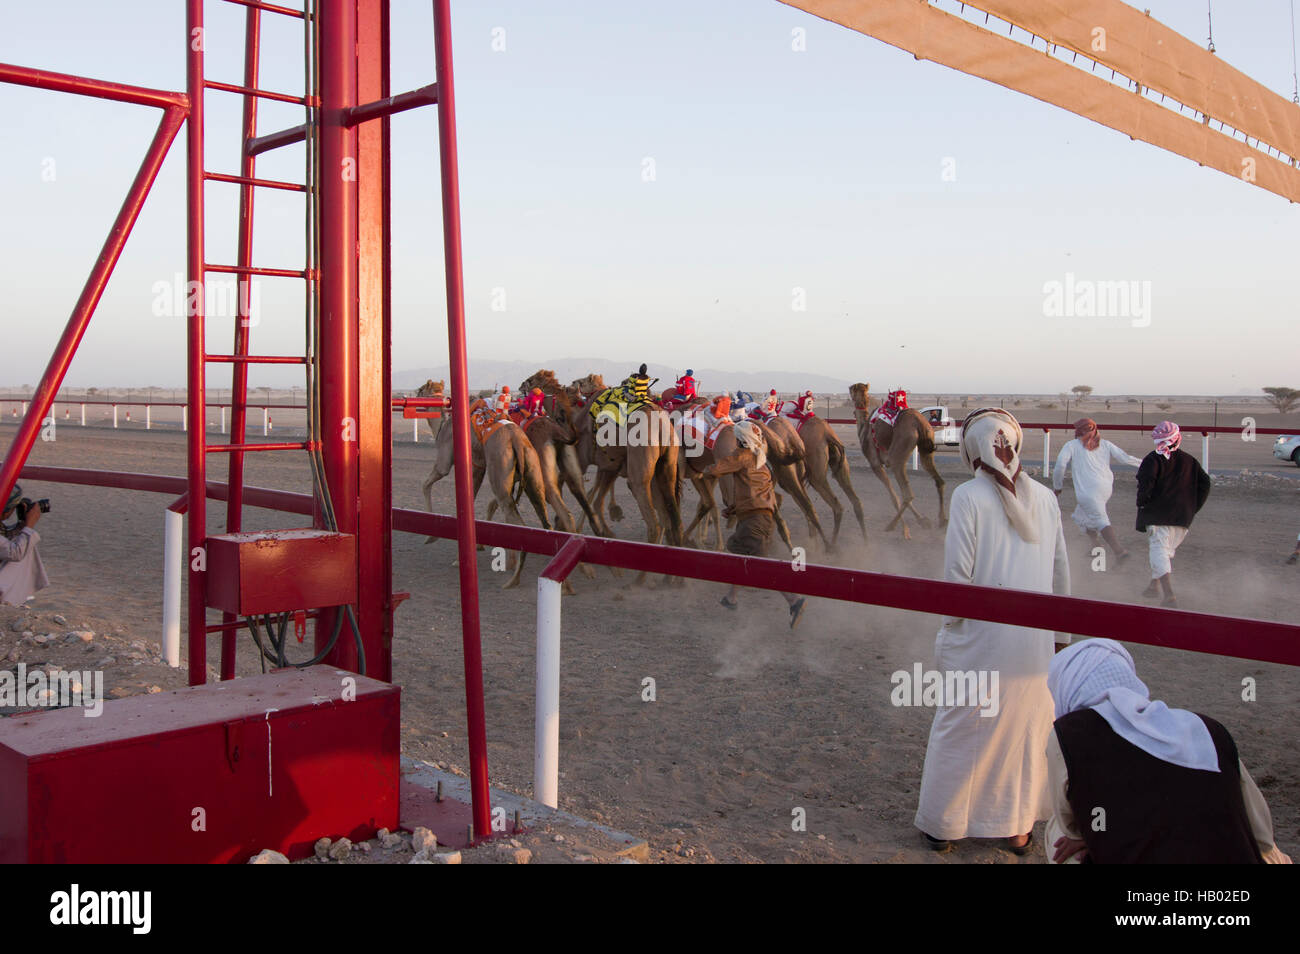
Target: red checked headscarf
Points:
(1167, 438)
(1085, 429)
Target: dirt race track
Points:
(751, 721)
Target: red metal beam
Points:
(269, 8)
(285, 137)
(243, 261)
(469, 609)
(174, 106)
(424, 96)
(563, 563)
(1238, 637)
(196, 348)
(374, 368)
(99, 89)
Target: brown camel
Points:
(887, 449)
(786, 455)
(505, 458)
(824, 457)
(645, 451)
(566, 469)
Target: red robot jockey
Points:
(803, 406)
(687, 387)
(534, 404)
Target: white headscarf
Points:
(1098, 674)
(749, 436)
(990, 446)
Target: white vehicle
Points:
(946, 430)
(1287, 448)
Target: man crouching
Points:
(754, 502)
(21, 571)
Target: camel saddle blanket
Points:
(886, 414)
(484, 419)
(613, 403)
(791, 410)
(524, 419)
(704, 426)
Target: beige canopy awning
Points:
(1107, 34)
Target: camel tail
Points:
(530, 478)
(834, 451)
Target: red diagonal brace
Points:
(175, 107)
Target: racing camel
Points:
(887, 448)
(504, 455)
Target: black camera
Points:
(27, 504)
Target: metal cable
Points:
(1295, 77)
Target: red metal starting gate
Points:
(347, 104)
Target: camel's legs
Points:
(787, 479)
(570, 475)
(823, 488)
(899, 468)
(928, 465)
(840, 471)
(899, 510)
(704, 509)
(643, 495)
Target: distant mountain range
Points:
(490, 374)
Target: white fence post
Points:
(83, 415)
(148, 418)
(115, 415)
(223, 419)
(916, 458)
(415, 429)
(266, 421)
(172, 557)
(1047, 453)
(1205, 452)
(546, 743)
(185, 417)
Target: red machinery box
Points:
(274, 571)
(212, 773)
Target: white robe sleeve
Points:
(1120, 457)
(959, 542)
(959, 545)
(16, 550)
(1062, 463)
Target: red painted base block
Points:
(211, 773)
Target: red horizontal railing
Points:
(1144, 428)
(444, 402)
(1239, 637)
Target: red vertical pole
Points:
(337, 224)
(239, 370)
(465, 544)
(374, 421)
(197, 346)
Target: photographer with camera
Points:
(21, 571)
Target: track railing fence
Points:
(1239, 637)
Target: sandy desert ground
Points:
(751, 721)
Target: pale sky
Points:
(774, 170)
